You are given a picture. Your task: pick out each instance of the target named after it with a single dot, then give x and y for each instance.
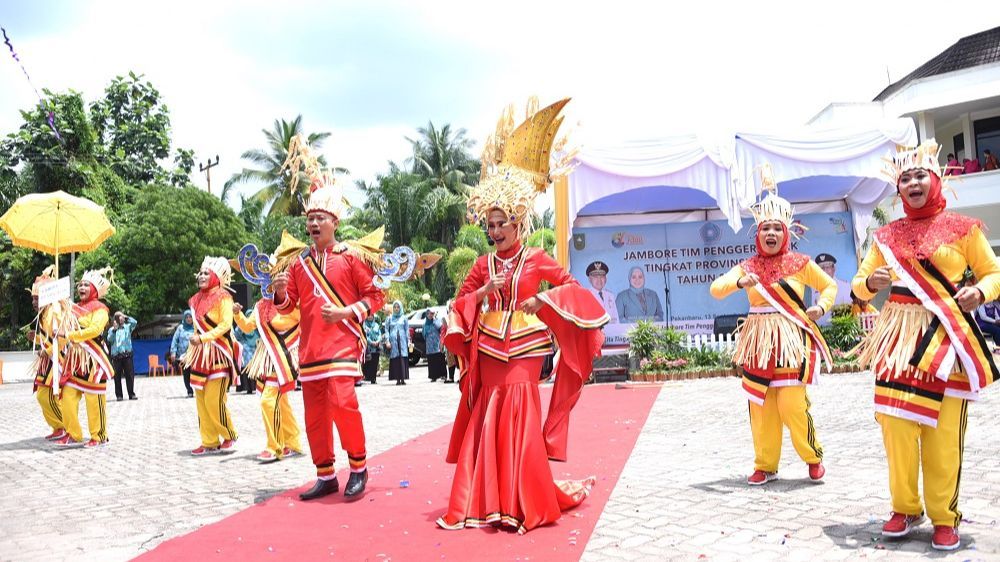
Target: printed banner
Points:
(662, 272)
(54, 291)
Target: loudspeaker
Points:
(726, 324)
(241, 294)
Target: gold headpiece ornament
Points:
(220, 267)
(101, 279)
(516, 164)
(771, 207)
(924, 156)
(48, 274)
(324, 194)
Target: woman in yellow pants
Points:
(928, 354)
(88, 366)
(274, 366)
(211, 355)
(275, 362)
(779, 348)
(48, 401)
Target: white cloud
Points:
(228, 69)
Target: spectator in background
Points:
(248, 344)
(988, 318)
(397, 334)
(373, 337)
(971, 166)
(450, 360)
(120, 341)
(991, 160)
(954, 167)
(179, 344)
(432, 341)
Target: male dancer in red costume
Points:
(332, 287)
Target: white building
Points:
(954, 98)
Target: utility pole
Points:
(206, 167)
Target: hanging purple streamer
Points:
(50, 116)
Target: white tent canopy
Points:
(684, 173)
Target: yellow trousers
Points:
(97, 419)
(214, 421)
(279, 422)
(50, 407)
(788, 406)
(910, 447)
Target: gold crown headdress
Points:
(220, 267)
(101, 279)
(771, 207)
(324, 194)
(48, 274)
(516, 164)
(924, 156)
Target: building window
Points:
(959, 143)
(987, 133)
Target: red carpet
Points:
(395, 523)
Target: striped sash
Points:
(783, 298)
(96, 350)
(225, 345)
(277, 345)
(953, 333)
(323, 288)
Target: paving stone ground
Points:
(682, 495)
(118, 501)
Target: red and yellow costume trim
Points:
(778, 344)
(275, 361)
(215, 357)
(344, 280)
(912, 347)
(88, 367)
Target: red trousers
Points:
(332, 401)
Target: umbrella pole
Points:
(57, 241)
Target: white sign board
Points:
(53, 291)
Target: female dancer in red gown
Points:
(501, 328)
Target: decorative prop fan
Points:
(255, 267)
(399, 265)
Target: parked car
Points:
(416, 319)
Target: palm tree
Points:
(442, 156)
(275, 193)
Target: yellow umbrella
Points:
(56, 223)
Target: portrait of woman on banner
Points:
(637, 302)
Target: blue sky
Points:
(371, 72)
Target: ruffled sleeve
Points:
(575, 317)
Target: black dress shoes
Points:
(321, 488)
(356, 484)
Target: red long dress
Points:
(498, 441)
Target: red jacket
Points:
(327, 350)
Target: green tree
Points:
(410, 207)
(170, 231)
(274, 184)
(133, 125)
(460, 262)
(442, 157)
(543, 238)
(473, 236)
(54, 162)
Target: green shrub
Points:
(843, 333)
(643, 339)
